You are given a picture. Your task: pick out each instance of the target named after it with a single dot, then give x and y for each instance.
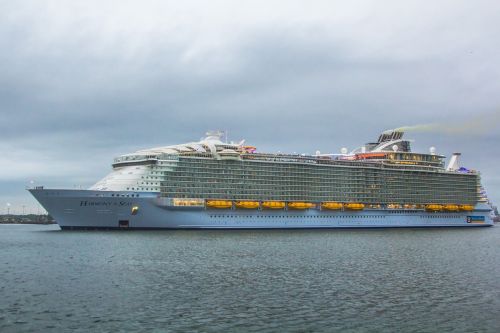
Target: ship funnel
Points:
(453, 165)
(391, 135)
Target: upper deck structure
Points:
(381, 172)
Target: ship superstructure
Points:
(215, 184)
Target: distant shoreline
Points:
(26, 219)
(31, 222)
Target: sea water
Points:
(399, 280)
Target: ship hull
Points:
(87, 209)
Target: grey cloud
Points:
(83, 96)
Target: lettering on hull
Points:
(85, 203)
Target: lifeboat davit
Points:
(433, 208)
(247, 204)
(451, 208)
(222, 204)
(466, 208)
(300, 205)
(273, 204)
(354, 206)
(331, 205)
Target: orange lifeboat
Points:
(221, 204)
(433, 208)
(451, 208)
(354, 206)
(331, 205)
(466, 208)
(273, 204)
(247, 204)
(300, 205)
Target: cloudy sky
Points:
(84, 81)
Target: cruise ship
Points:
(214, 184)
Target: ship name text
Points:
(104, 203)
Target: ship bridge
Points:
(392, 148)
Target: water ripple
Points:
(250, 281)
